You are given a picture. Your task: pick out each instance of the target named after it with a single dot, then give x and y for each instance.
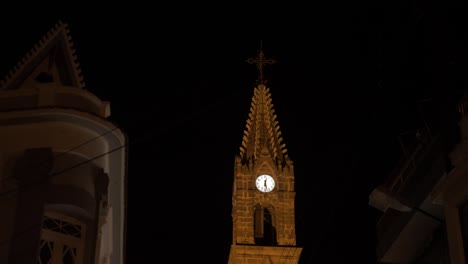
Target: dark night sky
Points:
(346, 84)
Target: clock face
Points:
(265, 183)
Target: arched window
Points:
(62, 240)
(264, 228)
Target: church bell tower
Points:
(263, 211)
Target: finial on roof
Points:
(261, 61)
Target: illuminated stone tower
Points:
(263, 191)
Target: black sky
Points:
(346, 85)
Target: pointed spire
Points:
(262, 135)
(56, 39)
(261, 61)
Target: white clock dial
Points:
(265, 183)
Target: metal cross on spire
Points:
(260, 61)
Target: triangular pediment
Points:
(52, 60)
(266, 167)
